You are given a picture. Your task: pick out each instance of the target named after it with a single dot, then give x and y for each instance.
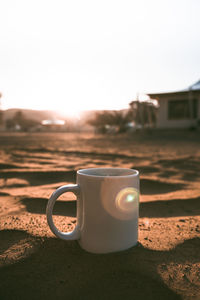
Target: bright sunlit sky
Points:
(71, 55)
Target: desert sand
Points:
(34, 264)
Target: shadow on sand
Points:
(151, 209)
(40, 177)
(62, 270)
(61, 208)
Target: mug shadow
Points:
(60, 269)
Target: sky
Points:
(86, 54)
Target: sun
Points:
(73, 114)
(70, 113)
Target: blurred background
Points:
(66, 60)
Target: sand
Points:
(34, 264)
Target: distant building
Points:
(53, 124)
(180, 109)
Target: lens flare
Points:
(122, 204)
(130, 198)
(127, 199)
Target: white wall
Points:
(162, 117)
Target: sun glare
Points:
(70, 112)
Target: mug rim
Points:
(134, 172)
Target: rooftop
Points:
(193, 87)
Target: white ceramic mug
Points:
(107, 209)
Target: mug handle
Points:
(73, 235)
